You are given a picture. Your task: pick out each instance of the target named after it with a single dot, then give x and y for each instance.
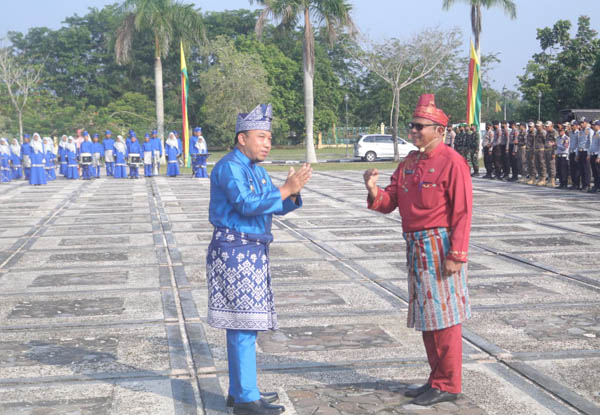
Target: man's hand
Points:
(451, 267)
(295, 181)
(370, 177)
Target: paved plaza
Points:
(103, 302)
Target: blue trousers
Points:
(86, 172)
(110, 166)
(241, 357)
(133, 172)
(148, 170)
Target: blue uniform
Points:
(243, 200)
(26, 159)
(134, 148)
(71, 153)
(37, 175)
(199, 156)
(172, 163)
(97, 151)
(120, 162)
(62, 154)
(148, 149)
(50, 165)
(15, 161)
(5, 173)
(109, 155)
(86, 149)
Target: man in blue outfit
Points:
(97, 152)
(86, 149)
(243, 200)
(109, 153)
(26, 151)
(157, 149)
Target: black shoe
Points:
(593, 190)
(487, 176)
(474, 174)
(433, 396)
(268, 397)
(413, 393)
(258, 407)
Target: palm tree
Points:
(334, 14)
(509, 6)
(168, 20)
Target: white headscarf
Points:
(64, 140)
(4, 149)
(71, 145)
(172, 140)
(15, 147)
(119, 144)
(48, 145)
(37, 144)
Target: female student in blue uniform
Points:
(15, 159)
(38, 161)
(71, 155)
(50, 158)
(62, 154)
(172, 150)
(120, 154)
(5, 174)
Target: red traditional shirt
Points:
(432, 191)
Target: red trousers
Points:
(444, 352)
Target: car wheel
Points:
(370, 156)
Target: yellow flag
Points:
(498, 107)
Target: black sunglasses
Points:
(418, 126)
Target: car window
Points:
(369, 139)
(384, 139)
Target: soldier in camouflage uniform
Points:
(504, 156)
(473, 149)
(531, 152)
(550, 153)
(539, 149)
(513, 146)
(460, 141)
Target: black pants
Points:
(514, 161)
(584, 168)
(497, 153)
(488, 161)
(504, 160)
(574, 167)
(595, 170)
(562, 165)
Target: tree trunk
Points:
(20, 113)
(160, 105)
(309, 70)
(395, 123)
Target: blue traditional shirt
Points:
(243, 197)
(86, 147)
(156, 145)
(135, 148)
(193, 141)
(97, 148)
(109, 144)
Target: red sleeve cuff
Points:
(458, 256)
(374, 204)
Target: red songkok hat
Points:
(426, 109)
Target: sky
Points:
(514, 40)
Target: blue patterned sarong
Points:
(240, 296)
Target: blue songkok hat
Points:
(198, 129)
(258, 119)
(132, 134)
(154, 132)
(85, 133)
(95, 136)
(146, 135)
(107, 132)
(26, 136)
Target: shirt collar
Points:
(242, 157)
(433, 153)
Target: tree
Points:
(235, 83)
(509, 7)
(19, 80)
(401, 63)
(335, 14)
(167, 20)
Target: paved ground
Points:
(103, 300)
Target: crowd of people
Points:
(36, 160)
(563, 155)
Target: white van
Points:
(371, 147)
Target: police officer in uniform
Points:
(504, 141)
(496, 151)
(562, 156)
(594, 159)
(486, 145)
(584, 142)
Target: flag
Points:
(185, 131)
(474, 90)
(498, 107)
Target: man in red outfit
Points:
(433, 192)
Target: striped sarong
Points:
(240, 295)
(435, 301)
